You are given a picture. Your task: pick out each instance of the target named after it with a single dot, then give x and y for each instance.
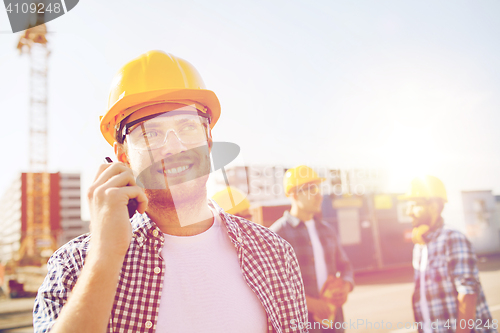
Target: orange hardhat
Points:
(298, 176)
(152, 78)
(425, 187)
(232, 200)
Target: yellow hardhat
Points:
(425, 187)
(232, 200)
(153, 78)
(298, 176)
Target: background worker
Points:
(181, 264)
(448, 296)
(321, 258)
(234, 202)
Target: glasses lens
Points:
(153, 133)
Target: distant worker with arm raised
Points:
(448, 296)
(325, 268)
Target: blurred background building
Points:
(265, 182)
(482, 220)
(39, 212)
(371, 222)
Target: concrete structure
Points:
(34, 221)
(71, 222)
(10, 221)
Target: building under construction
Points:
(38, 213)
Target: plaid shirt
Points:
(268, 264)
(451, 269)
(295, 232)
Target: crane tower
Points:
(34, 42)
(37, 237)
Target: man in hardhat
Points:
(181, 264)
(448, 296)
(233, 201)
(325, 268)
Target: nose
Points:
(173, 145)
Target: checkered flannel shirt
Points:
(268, 264)
(451, 269)
(295, 232)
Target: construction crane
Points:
(34, 42)
(38, 240)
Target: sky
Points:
(408, 86)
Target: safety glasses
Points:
(151, 132)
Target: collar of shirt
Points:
(294, 221)
(143, 227)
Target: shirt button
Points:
(239, 240)
(157, 270)
(155, 233)
(149, 324)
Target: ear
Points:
(120, 153)
(210, 141)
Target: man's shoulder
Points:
(261, 236)
(452, 235)
(66, 263)
(75, 249)
(452, 241)
(279, 224)
(259, 230)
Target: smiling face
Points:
(167, 146)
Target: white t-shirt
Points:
(204, 290)
(319, 255)
(423, 299)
